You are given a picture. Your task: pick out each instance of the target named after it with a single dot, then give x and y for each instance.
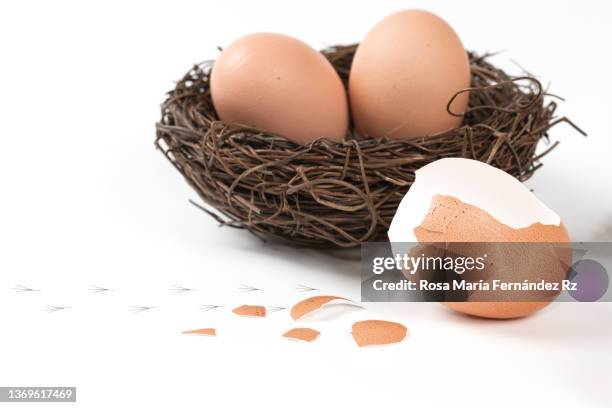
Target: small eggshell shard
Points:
(281, 85)
(404, 74)
(202, 332)
(468, 205)
(311, 304)
(378, 332)
(250, 311)
(304, 334)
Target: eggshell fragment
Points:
(202, 332)
(302, 334)
(250, 311)
(378, 332)
(311, 304)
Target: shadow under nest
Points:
(341, 194)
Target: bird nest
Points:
(340, 194)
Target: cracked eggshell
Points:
(312, 304)
(463, 200)
(281, 85)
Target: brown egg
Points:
(458, 201)
(405, 71)
(281, 85)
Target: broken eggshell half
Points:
(456, 200)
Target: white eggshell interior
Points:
(473, 182)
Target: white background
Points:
(86, 200)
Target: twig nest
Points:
(340, 193)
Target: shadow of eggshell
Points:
(311, 304)
(250, 311)
(202, 332)
(302, 334)
(378, 332)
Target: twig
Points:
(98, 289)
(180, 289)
(206, 308)
(272, 309)
(247, 288)
(53, 309)
(304, 288)
(139, 309)
(21, 288)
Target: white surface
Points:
(86, 200)
(473, 182)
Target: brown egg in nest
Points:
(405, 72)
(280, 84)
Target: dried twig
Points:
(206, 308)
(21, 288)
(180, 289)
(140, 309)
(272, 309)
(98, 289)
(53, 309)
(247, 288)
(304, 288)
